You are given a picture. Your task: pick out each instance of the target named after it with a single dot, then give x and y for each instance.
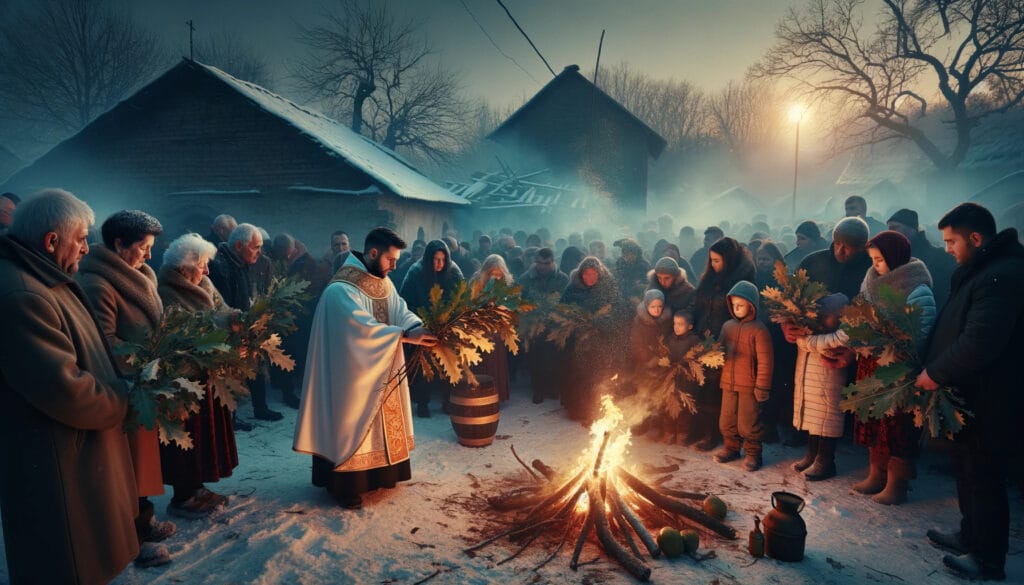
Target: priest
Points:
(355, 417)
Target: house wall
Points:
(188, 148)
(583, 137)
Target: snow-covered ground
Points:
(278, 528)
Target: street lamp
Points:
(796, 115)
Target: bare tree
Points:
(365, 62)
(746, 117)
(226, 51)
(63, 62)
(878, 80)
(674, 109)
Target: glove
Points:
(761, 395)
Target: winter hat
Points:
(667, 266)
(653, 295)
(833, 303)
(907, 217)
(745, 290)
(894, 246)
(852, 231)
(810, 230)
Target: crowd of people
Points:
(652, 294)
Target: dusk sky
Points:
(706, 42)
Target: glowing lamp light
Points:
(797, 112)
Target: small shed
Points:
(585, 138)
(197, 142)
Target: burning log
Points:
(600, 494)
(663, 501)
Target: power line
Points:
(502, 4)
(506, 55)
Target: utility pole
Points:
(598, 64)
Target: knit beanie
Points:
(894, 246)
(653, 295)
(852, 231)
(833, 303)
(667, 266)
(810, 230)
(907, 217)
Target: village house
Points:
(197, 142)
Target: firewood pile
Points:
(601, 501)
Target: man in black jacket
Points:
(976, 348)
(234, 272)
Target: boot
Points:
(895, 492)
(877, 470)
(824, 465)
(812, 452)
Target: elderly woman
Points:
(184, 283)
(593, 360)
(122, 291)
(495, 364)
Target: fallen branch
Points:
(548, 472)
(523, 463)
(561, 543)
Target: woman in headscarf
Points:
(595, 358)
(122, 291)
(184, 283)
(435, 267)
(893, 442)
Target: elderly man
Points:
(233, 272)
(356, 417)
(221, 229)
(976, 348)
(8, 201)
(67, 489)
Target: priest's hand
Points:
(925, 382)
(420, 336)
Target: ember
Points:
(602, 497)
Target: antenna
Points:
(191, 29)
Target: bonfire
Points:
(600, 497)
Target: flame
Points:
(613, 422)
(583, 503)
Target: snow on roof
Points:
(380, 163)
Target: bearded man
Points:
(355, 417)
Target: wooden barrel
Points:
(474, 412)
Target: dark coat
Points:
(977, 340)
(126, 306)
(421, 277)
(940, 264)
(67, 490)
(632, 276)
(845, 278)
(235, 281)
(711, 310)
(537, 286)
(593, 298)
(214, 454)
(648, 334)
(679, 296)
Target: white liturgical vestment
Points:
(350, 414)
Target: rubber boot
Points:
(812, 452)
(877, 470)
(900, 472)
(824, 465)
